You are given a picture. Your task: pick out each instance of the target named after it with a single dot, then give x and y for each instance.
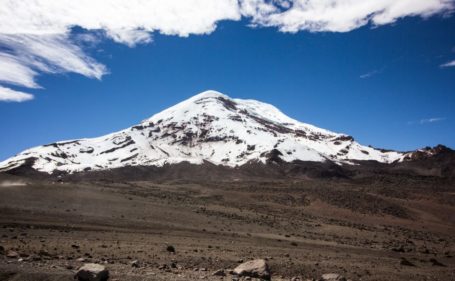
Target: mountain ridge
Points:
(208, 127)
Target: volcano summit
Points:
(207, 128)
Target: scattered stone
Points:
(170, 249)
(219, 272)
(12, 254)
(69, 267)
(163, 267)
(406, 262)
(435, 262)
(332, 277)
(135, 263)
(80, 259)
(33, 258)
(398, 249)
(254, 268)
(2, 250)
(44, 253)
(92, 272)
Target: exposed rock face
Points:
(254, 268)
(427, 152)
(92, 272)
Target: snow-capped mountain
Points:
(207, 127)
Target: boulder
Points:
(92, 272)
(254, 268)
(332, 277)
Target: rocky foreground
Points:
(372, 228)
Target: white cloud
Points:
(48, 53)
(431, 120)
(7, 94)
(448, 64)
(338, 15)
(36, 35)
(127, 20)
(14, 70)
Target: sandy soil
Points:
(375, 229)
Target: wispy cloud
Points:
(448, 64)
(427, 120)
(9, 95)
(369, 74)
(432, 120)
(36, 35)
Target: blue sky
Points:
(384, 85)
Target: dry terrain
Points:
(374, 228)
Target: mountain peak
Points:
(209, 126)
(209, 102)
(209, 94)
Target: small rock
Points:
(219, 272)
(254, 268)
(332, 277)
(162, 267)
(33, 258)
(69, 266)
(44, 253)
(435, 262)
(92, 272)
(406, 262)
(12, 254)
(135, 263)
(170, 249)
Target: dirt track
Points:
(364, 230)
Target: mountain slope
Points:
(207, 127)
